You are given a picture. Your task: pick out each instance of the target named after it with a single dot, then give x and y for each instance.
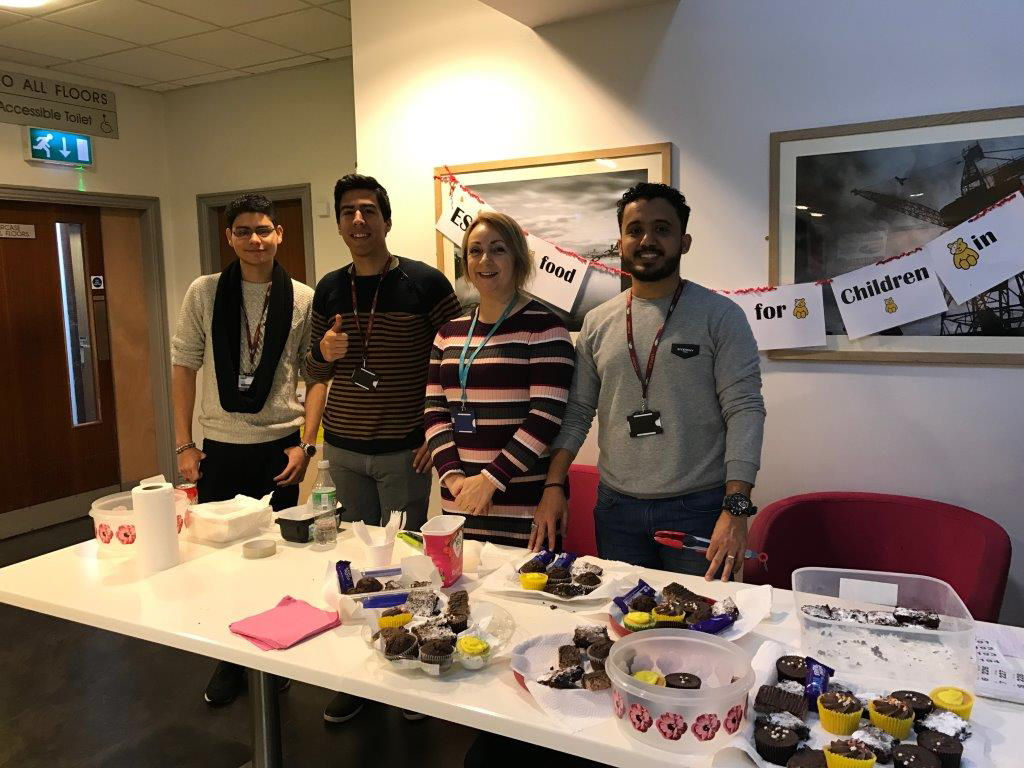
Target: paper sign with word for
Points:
(558, 277)
(882, 296)
(457, 212)
(980, 253)
(784, 318)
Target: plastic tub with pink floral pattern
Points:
(691, 721)
(114, 522)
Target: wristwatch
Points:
(739, 505)
(309, 450)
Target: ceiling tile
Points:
(224, 74)
(7, 18)
(50, 7)
(162, 87)
(227, 48)
(228, 13)
(88, 70)
(130, 20)
(27, 57)
(297, 61)
(308, 31)
(154, 64)
(336, 53)
(56, 40)
(343, 7)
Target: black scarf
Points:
(227, 338)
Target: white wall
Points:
(454, 81)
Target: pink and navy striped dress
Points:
(517, 387)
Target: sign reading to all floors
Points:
(18, 231)
(47, 145)
(31, 100)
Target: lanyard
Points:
(373, 306)
(645, 381)
(253, 342)
(463, 362)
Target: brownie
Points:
(908, 616)
(644, 604)
(366, 585)
(682, 680)
(792, 668)
(558, 575)
(597, 653)
(818, 611)
(565, 589)
(596, 681)
(913, 756)
(422, 603)
(775, 743)
(921, 703)
(400, 645)
(458, 599)
(696, 611)
(948, 749)
(880, 742)
(792, 686)
(840, 702)
(434, 629)
(676, 591)
(786, 720)
(588, 634)
(389, 632)
(807, 758)
(587, 579)
(569, 677)
(772, 699)
(579, 568)
(851, 748)
(420, 584)
(569, 656)
(882, 619)
(726, 607)
(945, 722)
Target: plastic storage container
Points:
(297, 523)
(224, 521)
(689, 721)
(918, 657)
(114, 521)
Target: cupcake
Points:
(650, 677)
(533, 565)
(786, 720)
(394, 617)
(948, 749)
(807, 758)
(849, 753)
(667, 615)
(643, 603)
(892, 716)
(436, 656)
(792, 668)
(878, 741)
(586, 635)
(682, 680)
(533, 581)
(917, 701)
(458, 621)
(558, 575)
(473, 651)
(400, 646)
(775, 743)
(696, 611)
(840, 713)
(955, 700)
(587, 581)
(597, 654)
(913, 756)
(634, 621)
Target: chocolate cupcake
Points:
(772, 699)
(921, 703)
(667, 615)
(913, 756)
(696, 611)
(566, 678)
(597, 654)
(775, 743)
(366, 585)
(643, 604)
(587, 581)
(682, 680)
(401, 646)
(839, 713)
(436, 656)
(792, 668)
(948, 749)
(786, 720)
(851, 753)
(807, 758)
(569, 656)
(596, 681)
(558, 575)
(586, 635)
(533, 565)
(891, 715)
(457, 621)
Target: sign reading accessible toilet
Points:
(558, 277)
(786, 317)
(46, 145)
(882, 296)
(30, 100)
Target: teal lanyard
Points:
(463, 362)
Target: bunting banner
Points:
(558, 276)
(458, 210)
(784, 316)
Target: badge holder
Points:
(464, 422)
(365, 379)
(244, 382)
(645, 423)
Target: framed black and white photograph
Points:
(844, 197)
(568, 200)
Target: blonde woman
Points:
(496, 390)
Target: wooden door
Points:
(57, 386)
(292, 252)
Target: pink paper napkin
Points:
(288, 623)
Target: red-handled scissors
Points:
(680, 540)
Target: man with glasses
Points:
(248, 329)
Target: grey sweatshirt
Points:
(710, 401)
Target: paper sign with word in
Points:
(457, 212)
(785, 317)
(558, 277)
(882, 296)
(982, 252)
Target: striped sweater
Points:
(517, 388)
(415, 300)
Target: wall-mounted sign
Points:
(96, 281)
(31, 100)
(18, 231)
(46, 145)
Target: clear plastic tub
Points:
(916, 656)
(688, 721)
(225, 521)
(114, 521)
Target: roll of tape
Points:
(258, 549)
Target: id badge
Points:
(464, 422)
(244, 382)
(366, 379)
(644, 423)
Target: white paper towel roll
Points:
(155, 527)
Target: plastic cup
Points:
(442, 541)
(379, 555)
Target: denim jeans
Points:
(625, 527)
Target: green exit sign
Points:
(50, 146)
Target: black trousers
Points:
(247, 468)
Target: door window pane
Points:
(78, 340)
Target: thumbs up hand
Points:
(334, 344)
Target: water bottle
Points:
(322, 504)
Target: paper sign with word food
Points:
(557, 277)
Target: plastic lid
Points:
(323, 464)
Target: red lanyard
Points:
(373, 306)
(645, 381)
(254, 342)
